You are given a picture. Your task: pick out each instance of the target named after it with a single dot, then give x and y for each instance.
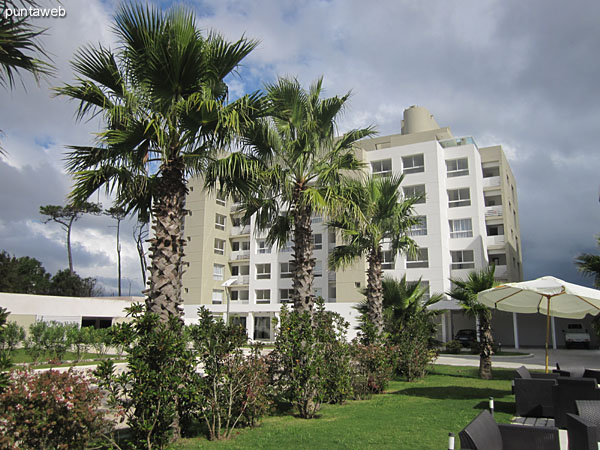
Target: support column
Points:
(250, 325)
(553, 332)
(444, 328)
(515, 329)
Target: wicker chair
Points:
(566, 391)
(533, 397)
(523, 372)
(569, 371)
(583, 429)
(483, 433)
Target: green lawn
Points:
(20, 356)
(415, 415)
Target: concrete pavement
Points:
(535, 359)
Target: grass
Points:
(415, 415)
(20, 356)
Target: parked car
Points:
(575, 335)
(466, 337)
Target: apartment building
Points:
(468, 218)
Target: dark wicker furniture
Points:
(566, 391)
(483, 433)
(584, 428)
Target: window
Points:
(263, 271)
(317, 241)
(285, 295)
(262, 247)
(419, 260)
(238, 321)
(218, 271)
(387, 262)
(263, 296)
(419, 229)
(237, 295)
(318, 270)
(461, 228)
(221, 198)
(287, 248)
(238, 221)
(457, 167)
(382, 168)
(217, 296)
(462, 259)
(219, 246)
(244, 246)
(418, 190)
(240, 270)
(413, 164)
(220, 221)
(262, 328)
(423, 286)
(286, 269)
(459, 197)
(316, 219)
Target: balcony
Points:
(457, 142)
(498, 240)
(494, 211)
(240, 230)
(331, 276)
(501, 272)
(240, 255)
(242, 280)
(490, 182)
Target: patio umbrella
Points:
(546, 295)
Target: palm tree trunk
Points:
(485, 352)
(167, 244)
(375, 291)
(69, 226)
(119, 252)
(304, 263)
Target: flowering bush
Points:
(415, 348)
(41, 410)
(372, 368)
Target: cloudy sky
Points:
(521, 74)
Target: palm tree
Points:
(165, 106)
(589, 265)
(19, 43)
(385, 217)
(292, 167)
(465, 291)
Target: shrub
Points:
(152, 393)
(5, 363)
(372, 368)
(233, 386)
(56, 340)
(101, 339)
(35, 344)
(50, 410)
(10, 336)
(415, 349)
(453, 347)
(80, 339)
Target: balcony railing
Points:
(501, 272)
(491, 182)
(496, 240)
(242, 280)
(494, 211)
(235, 231)
(236, 256)
(457, 142)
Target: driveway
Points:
(534, 360)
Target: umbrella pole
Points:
(547, 330)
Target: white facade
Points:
(453, 237)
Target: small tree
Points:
(5, 363)
(465, 291)
(10, 336)
(66, 216)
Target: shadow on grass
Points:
(452, 392)
(472, 372)
(505, 407)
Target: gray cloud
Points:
(520, 74)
